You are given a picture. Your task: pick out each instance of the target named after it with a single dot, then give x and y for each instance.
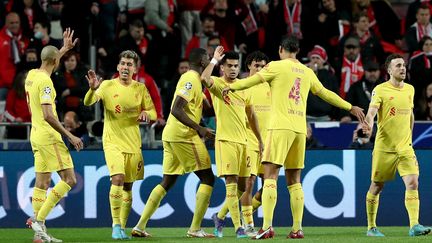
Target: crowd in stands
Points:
(344, 42)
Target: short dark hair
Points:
(290, 43)
(196, 55)
(423, 6)
(357, 17)
(231, 55)
(423, 40)
(256, 56)
(206, 17)
(45, 24)
(137, 23)
(130, 54)
(390, 58)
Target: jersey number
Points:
(295, 91)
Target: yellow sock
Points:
(224, 210)
(269, 198)
(297, 205)
(372, 202)
(247, 215)
(125, 208)
(202, 201)
(255, 204)
(233, 206)
(151, 205)
(412, 205)
(38, 198)
(115, 198)
(53, 198)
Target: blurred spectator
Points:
(361, 140)
(13, 45)
(17, 109)
(227, 15)
(189, 19)
(317, 110)
(382, 19)
(30, 61)
(135, 40)
(131, 10)
(360, 93)
(30, 12)
(420, 69)
(165, 45)
(105, 12)
(42, 35)
(53, 10)
(143, 77)
(421, 108)
(410, 17)
(350, 69)
(427, 115)
(370, 46)
(76, 127)
(76, 15)
(201, 39)
(289, 17)
(422, 27)
(311, 141)
(336, 23)
(71, 85)
(169, 88)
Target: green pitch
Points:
(312, 234)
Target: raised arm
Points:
(178, 112)
(68, 42)
(94, 83)
(206, 74)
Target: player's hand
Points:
(143, 117)
(226, 90)
(68, 42)
(93, 80)
(161, 122)
(206, 133)
(219, 53)
(367, 128)
(358, 112)
(76, 142)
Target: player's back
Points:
(40, 91)
(289, 89)
(188, 87)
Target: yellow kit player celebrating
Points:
(126, 102)
(231, 110)
(50, 152)
(184, 151)
(290, 82)
(393, 102)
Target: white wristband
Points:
(214, 61)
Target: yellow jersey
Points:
(230, 112)
(39, 91)
(122, 106)
(188, 87)
(395, 107)
(260, 97)
(290, 82)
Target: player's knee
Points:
(43, 184)
(375, 188)
(412, 184)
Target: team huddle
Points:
(261, 127)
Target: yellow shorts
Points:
(129, 164)
(285, 148)
(180, 158)
(253, 161)
(231, 159)
(385, 164)
(51, 158)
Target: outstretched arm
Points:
(206, 74)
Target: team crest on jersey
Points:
(188, 86)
